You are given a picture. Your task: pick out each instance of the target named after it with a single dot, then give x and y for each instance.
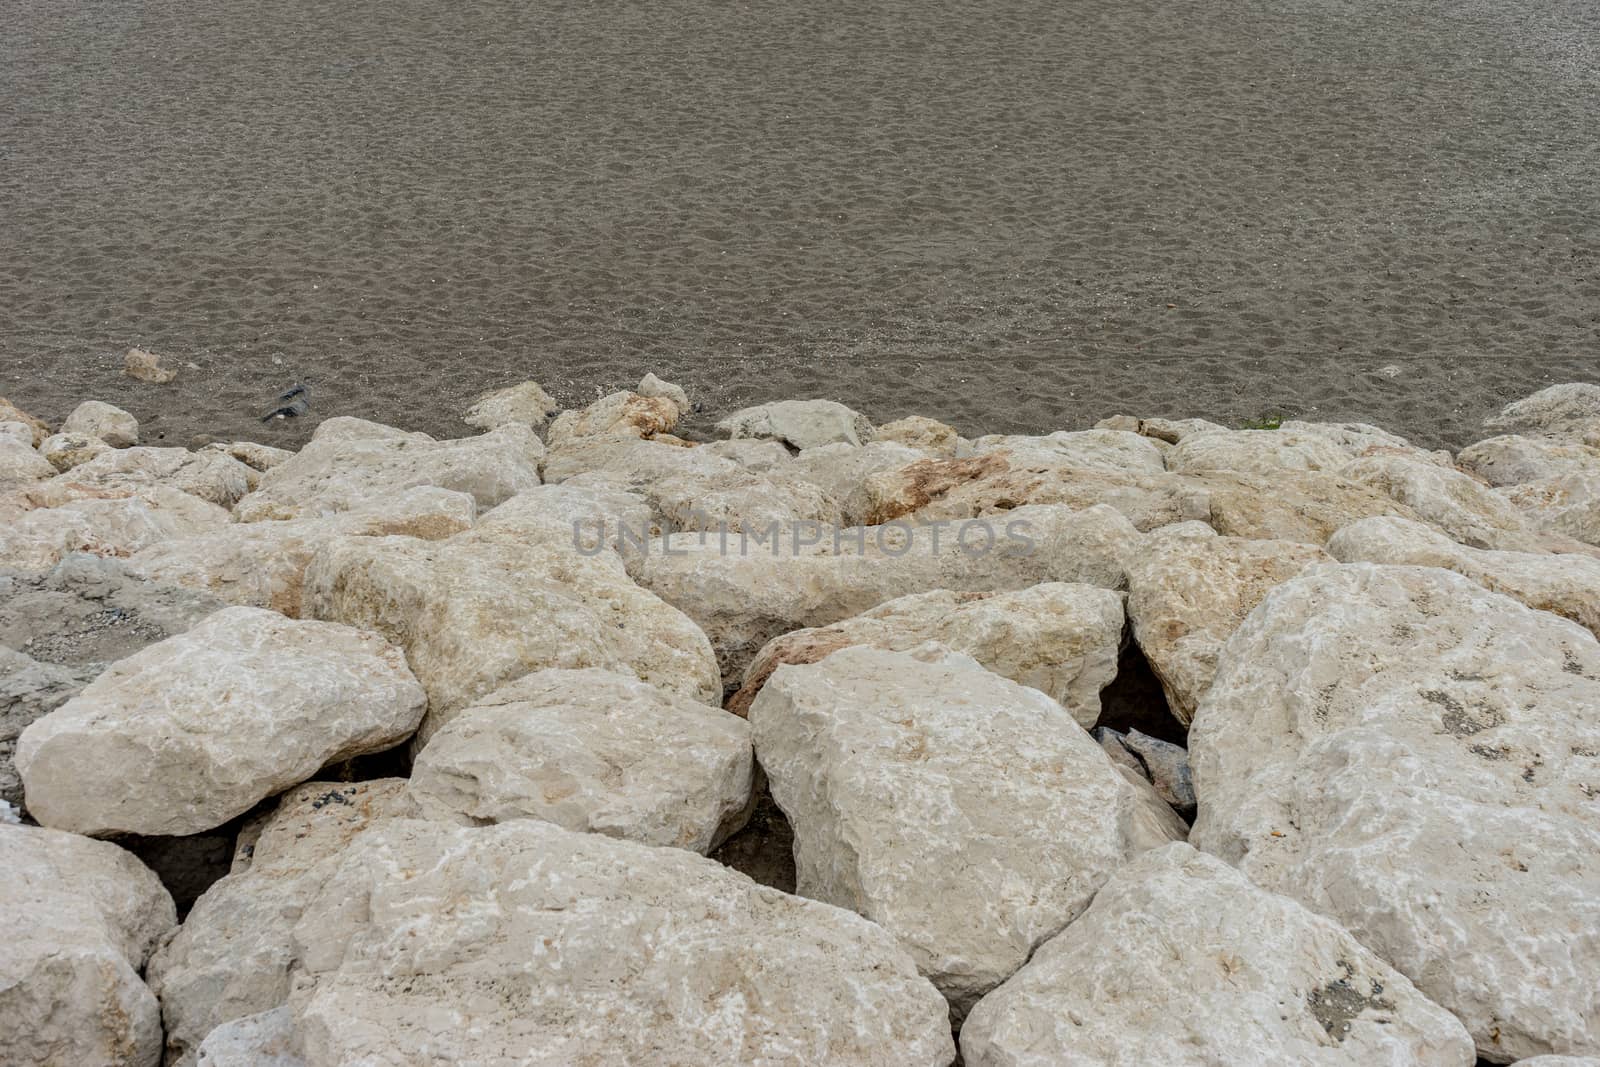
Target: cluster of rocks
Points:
(577, 741)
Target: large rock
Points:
(800, 424)
(743, 593)
(623, 414)
(21, 465)
(1170, 431)
(1457, 503)
(30, 690)
(969, 816)
(196, 729)
(1513, 459)
(39, 429)
(1189, 589)
(1570, 412)
(926, 435)
(211, 476)
(1257, 452)
(842, 471)
(740, 499)
(258, 457)
(1363, 439)
(1416, 757)
(82, 917)
(109, 522)
(1278, 984)
(1565, 506)
(1060, 639)
(265, 1039)
(514, 594)
(65, 451)
(527, 943)
(111, 424)
(349, 463)
(593, 751)
(1567, 585)
(233, 955)
(1100, 450)
(634, 463)
(263, 564)
(525, 404)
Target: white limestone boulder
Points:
(67, 450)
(1181, 962)
(969, 816)
(526, 943)
(349, 463)
(1103, 450)
(1059, 638)
(265, 1039)
(841, 471)
(1189, 589)
(519, 592)
(751, 453)
(1416, 757)
(111, 424)
(742, 593)
(262, 564)
(621, 414)
(1564, 506)
(1457, 503)
(9, 412)
(800, 424)
(593, 751)
(1363, 439)
(211, 476)
(82, 917)
(1563, 584)
(21, 465)
(1256, 452)
(234, 954)
(525, 404)
(1514, 459)
(194, 730)
(928, 436)
(1570, 411)
(110, 522)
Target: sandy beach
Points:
(1014, 217)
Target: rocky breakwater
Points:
(575, 740)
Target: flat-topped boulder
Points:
(1274, 984)
(1570, 411)
(1414, 756)
(969, 816)
(349, 463)
(1059, 638)
(194, 730)
(639, 955)
(40, 526)
(594, 751)
(800, 424)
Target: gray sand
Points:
(1014, 216)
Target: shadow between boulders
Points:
(1135, 700)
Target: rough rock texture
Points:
(1457, 503)
(1363, 439)
(842, 470)
(115, 522)
(638, 955)
(800, 424)
(1188, 590)
(67, 450)
(926, 435)
(1166, 766)
(21, 433)
(1169, 430)
(30, 690)
(1417, 757)
(743, 594)
(1567, 505)
(1567, 585)
(526, 404)
(594, 751)
(194, 730)
(740, 499)
(624, 414)
(349, 463)
(633, 463)
(259, 458)
(233, 954)
(510, 596)
(756, 454)
(1569, 411)
(265, 1039)
(1513, 459)
(82, 917)
(211, 476)
(111, 424)
(967, 815)
(1100, 450)
(1257, 451)
(1306, 506)
(20, 464)
(1060, 639)
(262, 564)
(9, 412)
(1560, 1061)
(1181, 962)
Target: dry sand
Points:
(1015, 216)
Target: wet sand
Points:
(1014, 216)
